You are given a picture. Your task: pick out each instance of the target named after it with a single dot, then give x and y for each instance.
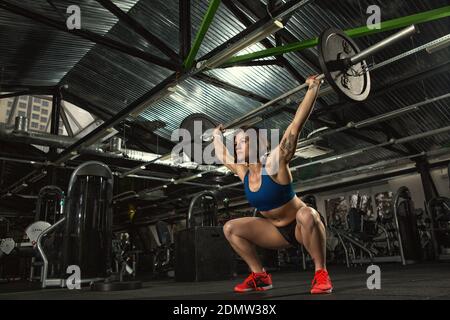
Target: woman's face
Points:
(246, 146)
(242, 147)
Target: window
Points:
(44, 112)
(22, 114)
(36, 108)
(45, 103)
(61, 124)
(8, 112)
(35, 116)
(24, 98)
(44, 119)
(37, 100)
(34, 125)
(22, 105)
(10, 103)
(61, 131)
(42, 128)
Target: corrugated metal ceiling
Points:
(33, 54)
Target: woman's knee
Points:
(307, 216)
(228, 229)
(235, 227)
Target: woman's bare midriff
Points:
(285, 214)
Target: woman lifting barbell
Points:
(268, 187)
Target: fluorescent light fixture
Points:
(312, 151)
(173, 89)
(254, 37)
(440, 45)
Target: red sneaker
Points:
(321, 283)
(255, 282)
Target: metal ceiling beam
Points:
(22, 93)
(429, 187)
(82, 103)
(89, 35)
(69, 114)
(388, 25)
(56, 113)
(203, 29)
(365, 180)
(140, 29)
(66, 122)
(258, 9)
(390, 130)
(283, 10)
(265, 42)
(23, 87)
(13, 110)
(357, 135)
(185, 27)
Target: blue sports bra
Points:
(271, 195)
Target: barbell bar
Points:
(340, 66)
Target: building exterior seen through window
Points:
(37, 110)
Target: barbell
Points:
(344, 68)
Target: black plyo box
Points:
(203, 254)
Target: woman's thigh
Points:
(259, 231)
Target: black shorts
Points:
(288, 232)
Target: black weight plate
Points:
(116, 286)
(353, 82)
(188, 123)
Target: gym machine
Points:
(439, 213)
(87, 226)
(49, 210)
(383, 236)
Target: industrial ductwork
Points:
(111, 149)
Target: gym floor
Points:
(411, 282)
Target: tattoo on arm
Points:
(288, 145)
